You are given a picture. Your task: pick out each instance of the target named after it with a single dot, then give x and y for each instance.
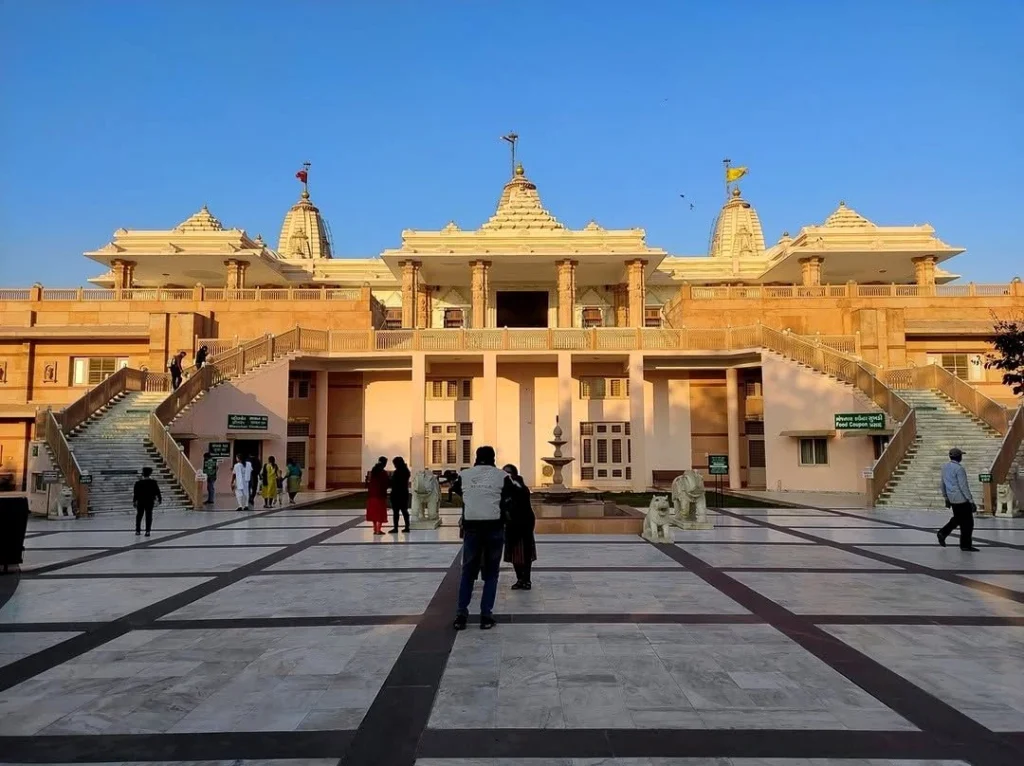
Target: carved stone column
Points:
(810, 271)
(423, 306)
(566, 292)
(481, 285)
(124, 273)
(637, 285)
(410, 288)
(620, 298)
(924, 270)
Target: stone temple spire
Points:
(520, 207)
(304, 233)
(737, 231)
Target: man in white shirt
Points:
(240, 476)
(483, 487)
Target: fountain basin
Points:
(586, 517)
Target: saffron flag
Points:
(734, 174)
(302, 175)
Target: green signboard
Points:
(718, 465)
(86, 478)
(860, 421)
(220, 449)
(985, 478)
(247, 422)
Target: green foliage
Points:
(1009, 353)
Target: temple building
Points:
(458, 337)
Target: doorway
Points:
(248, 448)
(522, 308)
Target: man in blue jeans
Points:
(484, 488)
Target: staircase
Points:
(941, 425)
(113, 446)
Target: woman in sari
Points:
(377, 496)
(520, 548)
(269, 481)
(293, 472)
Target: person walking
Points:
(201, 356)
(958, 497)
(293, 472)
(269, 482)
(400, 493)
(377, 496)
(485, 489)
(210, 469)
(255, 467)
(520, 546)
(146, 492)
(175, 369)
(241, 476)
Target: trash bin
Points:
(13, 522)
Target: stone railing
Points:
(51, 432)
(1008, 450)
(191, 294)
(849, 290)
(937, 378)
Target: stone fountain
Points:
(557, 492)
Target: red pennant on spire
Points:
(303, 175)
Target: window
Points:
(605, 451)
(756, 454)
(299, 385)
(298, 428)
(91, 371)
(604, 388)
(393, 319)
(592, 316)
(814, 452)
(449, 445)
(652, 316)
(296, 450)
(452, 388)
(454, 318)
(964, 366)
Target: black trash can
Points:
(13, 522)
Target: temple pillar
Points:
(410, 288)
(732, 396)
(490, 399)
(124, 273)
(323, 391)
(924, 269)
(481, 284)
(620, 299)
(566, 292)
(637, 422)
(810, 271)
(423, 306)
(637, 285)
(418, 394)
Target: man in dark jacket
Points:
(254, 479)
(147, 491)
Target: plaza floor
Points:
(789, 637)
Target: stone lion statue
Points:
(1007, 503)
(426, 498)
(689, 506)
(658, 524)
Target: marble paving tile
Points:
(877, 536)
(1011, 536)
(185, 681)
(57, 600)
(14, 646)
(1013, 582)
(243, 537)
(977, 670)
(314, 595)
(34, 559)
(790, 557)
(951, 557)
(160, 560)
(364, 534)
(551, 553)
(735, 534)
(371, 556)
(641, 676)
(855, 594)
(278, 521)
(615, 592)
(97, 539)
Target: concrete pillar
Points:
(124, 273)
(320, 439)
(637, 286)
(480, 280)
(410, 288)
(924, 269)
(566, 292)
(417, 395)
(732, 394)
(638, 422)
(490, 399)
(620, 298)
(810, 271)
(543, 422)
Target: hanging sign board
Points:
(247, 422)
(860, 421)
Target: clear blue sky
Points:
(136, 113)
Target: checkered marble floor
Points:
(786, 637)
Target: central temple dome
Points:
(520, 207)
(304, 233)
(737, 231)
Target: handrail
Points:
(65, 459)
(97, 397)
(938, 378)
(1002, 462)
(176, 460)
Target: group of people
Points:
(497, 517)
(269, 481)
(177, 365)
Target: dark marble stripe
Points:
(940, 520)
